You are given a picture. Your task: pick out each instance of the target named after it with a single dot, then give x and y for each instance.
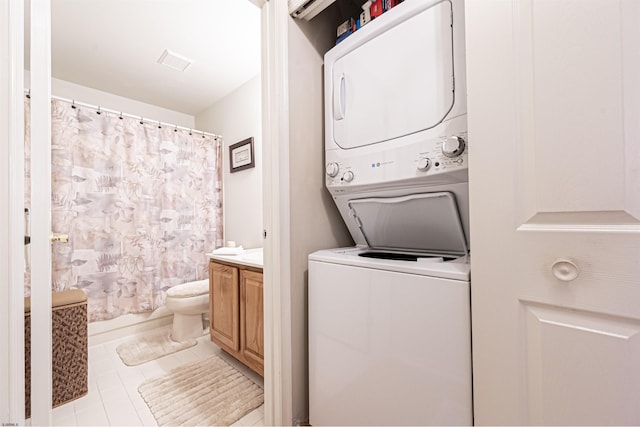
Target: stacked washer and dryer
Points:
(389, 319)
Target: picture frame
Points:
(241, 155)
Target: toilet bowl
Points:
(188, 302)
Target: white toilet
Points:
(188, 302)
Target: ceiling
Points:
(114, 46)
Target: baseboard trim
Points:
(131, 324)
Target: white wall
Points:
(314, 220)
(237, 117)
(87, 95)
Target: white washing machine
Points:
(389, 320)
(389, 329)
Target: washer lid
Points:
(425, 223)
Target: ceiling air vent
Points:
(173, 60)
(307, 9)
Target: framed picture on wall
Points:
(241, 155)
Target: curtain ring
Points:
(141, 120)
(73, 104)
(29, 94)
(98, 112)
(159, 125)
(120, 116)
(190, 133)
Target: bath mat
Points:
(149, 347)
(206, 393)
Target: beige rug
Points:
(206, 393)
(149, 347)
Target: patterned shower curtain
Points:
(141, 202)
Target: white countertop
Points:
(248, 257)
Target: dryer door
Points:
(398, 81)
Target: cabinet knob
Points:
(564, 270)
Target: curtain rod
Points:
(142, 119)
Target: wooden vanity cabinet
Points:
(252, 317)
(224, 304)
(237, 312)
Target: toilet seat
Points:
(189, 289)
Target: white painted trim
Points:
(12, 303)
(41, 213)
(127, 325)
(16, 204)
(277, 302)
(271, 240)
(5, 246)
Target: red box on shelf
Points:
(376, 8)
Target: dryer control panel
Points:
(440, 160)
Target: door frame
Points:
(13, 384)
(41, 336)
(278, 383)
(278, 387)
(12, 215)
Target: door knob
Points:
(62, 238)
(564, 270)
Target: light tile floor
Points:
(113, 398)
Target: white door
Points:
(11, 213)
(554, 115)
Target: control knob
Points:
(348, 176)
(332, 169)
(453, 146)
(424, 164)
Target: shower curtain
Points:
(141, 202)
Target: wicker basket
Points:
(69, 347)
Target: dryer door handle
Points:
(339, 98)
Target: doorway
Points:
(107, 96)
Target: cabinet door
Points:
(224, 302)
(554, 101)
(251, 317)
